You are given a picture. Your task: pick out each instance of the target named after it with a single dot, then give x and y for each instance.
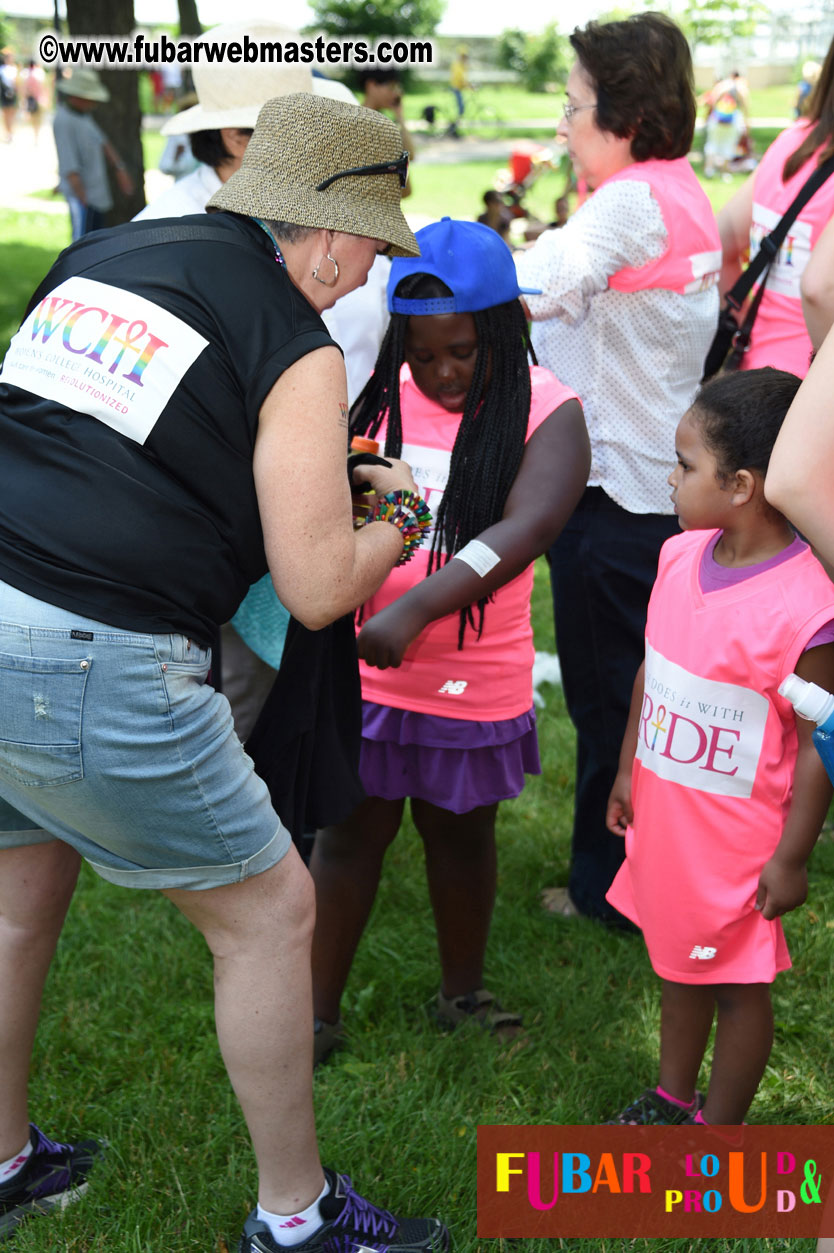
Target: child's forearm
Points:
(629, 747)
(811, 785)
(783, 884)
(619, 812)
(809, 806)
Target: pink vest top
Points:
(692, 259)
(490, 678)
(712, 718)
(779, 336)
(713, 774)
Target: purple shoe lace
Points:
(60, 1177)
(363, 1215)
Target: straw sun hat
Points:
(302, 141)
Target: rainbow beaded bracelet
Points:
(407, 511)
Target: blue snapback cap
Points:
(470, 258)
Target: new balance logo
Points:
(294, 1222)
(703, 953)
(454, 686)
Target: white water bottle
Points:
(816, 705)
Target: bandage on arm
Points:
(478, 556)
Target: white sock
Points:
(290, 1229)
(12, 1165)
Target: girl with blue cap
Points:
(498, 449)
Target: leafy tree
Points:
(511, 50)
(538, 59)
(377, 18)
(120, 118)
(545, 58)
(707, 22)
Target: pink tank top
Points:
(490, 678)
(716, 752)
(692, 260)
(779, 336)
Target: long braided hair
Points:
(490, 440)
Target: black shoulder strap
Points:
(771, 243)
(92, 249)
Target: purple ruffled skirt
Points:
(453, 763)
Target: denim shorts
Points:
(112, 741)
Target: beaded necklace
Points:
(279, 256)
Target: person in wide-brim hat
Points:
(324, 164)
(231, 94)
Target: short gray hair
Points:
(290, 232)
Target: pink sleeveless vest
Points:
(692, 260)
(779, 336)
(713, 774)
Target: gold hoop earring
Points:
(334, 280)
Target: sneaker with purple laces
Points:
(53, 1176)
(352, 1225)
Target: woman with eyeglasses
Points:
(627, 312)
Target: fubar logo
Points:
(655, 1181)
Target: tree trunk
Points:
(120, 118)
(189, 26)
(189, 18)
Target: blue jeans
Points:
(84, 218)
(602, 570)
(112, 741)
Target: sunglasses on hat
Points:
(399, 167)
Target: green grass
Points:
(510, 100)
(127, 1051)
(152, 146)
(775, 101)
(31, 242)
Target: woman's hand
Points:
(385, 479)
(384, 638)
